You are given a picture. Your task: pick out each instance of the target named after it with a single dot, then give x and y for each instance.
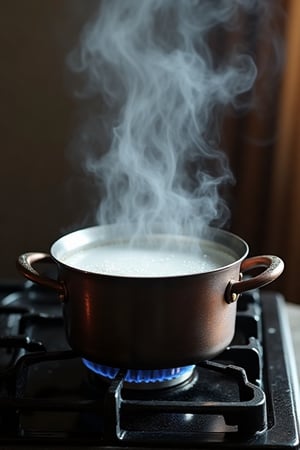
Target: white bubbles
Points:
(147, 260)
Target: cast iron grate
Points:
(248, 413)
(256, 406)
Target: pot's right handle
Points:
(25, 266)
(273, 268)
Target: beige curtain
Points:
(264, 151)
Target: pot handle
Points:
(25, 266)
(274, 267)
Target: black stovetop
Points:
(245, 398)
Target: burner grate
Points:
(248, 413)
(246, 396)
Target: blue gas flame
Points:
(137, 375)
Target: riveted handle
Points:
(25, 266)
(273, 268)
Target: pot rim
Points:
(85, 237)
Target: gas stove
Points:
(247, 397)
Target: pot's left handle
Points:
(25, 266)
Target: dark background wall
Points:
(40, 194)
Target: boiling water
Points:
(146, 261)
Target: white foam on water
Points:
(145, 261)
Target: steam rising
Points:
(150, 60)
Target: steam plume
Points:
(151, 62)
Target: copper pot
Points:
(150, 322)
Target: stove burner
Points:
(144, 379)
(247, 396)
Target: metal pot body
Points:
(150, 322)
